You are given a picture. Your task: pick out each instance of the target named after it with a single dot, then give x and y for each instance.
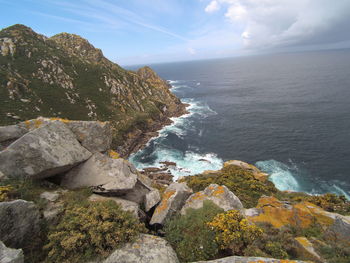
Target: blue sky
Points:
(148, 31)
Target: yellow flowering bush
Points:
(90, 230)
(233, 231)
(5, 192)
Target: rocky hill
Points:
(65, 76)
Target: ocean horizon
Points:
(289, 114)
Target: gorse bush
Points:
(5, 192)
(234, 232)
(241, 182)
(190, 236)
(90, 230)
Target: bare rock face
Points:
(147, 249)
(236, 259)
(20, 222)
(305, 249)
(10, 255)
(152, 199)
(103, 174)
(219, 195)
(43, 152)
(124, 204)
(173, 200)
(11, 132)
(54, 206)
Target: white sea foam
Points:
(284, 178)
(190, 162)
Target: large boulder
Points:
(152, 199)
(43, 152)
(103, 174)
(95, 136)
(303, 214)
(219, 195)
(147, 249)
(236, 259)
(124, 204)
(173, 200)
(20, 223)
(10, 255)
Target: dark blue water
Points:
(287, 113)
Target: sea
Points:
(288, 114)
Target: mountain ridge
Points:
(65, 76)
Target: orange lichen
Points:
(30, 124)
(198, 196)
(218, 191)
(302, 214)
(114, 155)
(60, 119)
(164, 203)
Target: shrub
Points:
(90, 230)
(331, 202)
(234, 232)
(190, 236)
(240, 181)
(276, 250)
(5, 192)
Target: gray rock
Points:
(341, 227)
(43, 152)
(124, 204)
(10, 255)
(54, 207)
(173, 200)
(20, 221)
(139, 192)
(147, 249)
(11, 132)
(95, 136)
(236, 259)
(219, 195)
(50, 196)
(103, 174)
(151, 199)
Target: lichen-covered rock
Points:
(305, 249)
(219, 195)
(147, 249)
(236, 259)
(303, 214)
(10, 255)
(173, 200)
(124, 204)
(43, 152)
(95, 136)
(152, 199)
(103, 174)
(20, 223)
(141, 189)
(246, 166)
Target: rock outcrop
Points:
(219, 195)
(147, 249)
(173, 200)
(20, 223)
(259, 175)
(43, 152)
(305, 249)
(236, 259)
(103, 174)
(10, 255)
(303, 214)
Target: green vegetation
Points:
(90, 230)
(190, 236)
(241, 182)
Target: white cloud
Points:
(192, 51)
(212, 7)
(276, 23)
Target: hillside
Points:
(65, 76)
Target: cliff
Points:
(65, 76)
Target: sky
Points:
(154, 31)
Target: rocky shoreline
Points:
(137, 139)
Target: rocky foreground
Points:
(67, 156)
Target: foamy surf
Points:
(288, 177)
